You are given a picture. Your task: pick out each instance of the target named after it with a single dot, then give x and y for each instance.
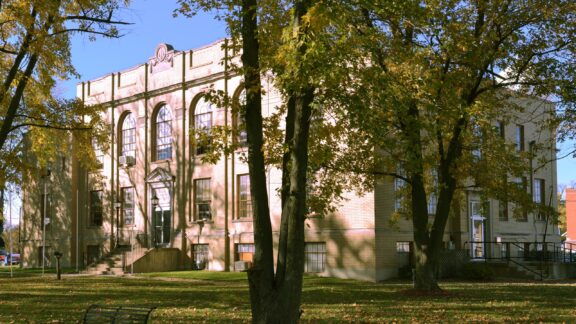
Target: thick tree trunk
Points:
(261, 276)
(424, 251)
(1, 217)
(276, 298)
(428, 243)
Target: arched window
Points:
(203, 125)
(163, 138)
(128, 136)
(239, 122)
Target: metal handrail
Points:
(541, 252)
(540, 274)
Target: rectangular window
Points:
(45, 213)
(164, 140)
(402, 247)
(202, 199)
(98, 154)
(244, 197)
(128, 205)
(203, 126)
(523, 183)
(538, 195)
(503, 210)
(519, 140)
(129, 142)
(398, 186)
(245, 252)
(200, 256)
(95, 208)
(477, 144)
(314, 257)
(500, 129)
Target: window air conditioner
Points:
(242, 265)
(126, 160)
(203, 211)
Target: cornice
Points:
(164, 90)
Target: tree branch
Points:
(98, 20)
(49, 127)
(81, 30)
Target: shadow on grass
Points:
(182, 297)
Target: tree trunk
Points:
(424, 251)
(276, 298)
(1, 217)
(261, 276)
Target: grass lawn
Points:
(183, 297)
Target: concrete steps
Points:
(111, 264)
(523, 271)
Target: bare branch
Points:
(81, 30)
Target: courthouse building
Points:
(156, 206)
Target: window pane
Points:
(402, 247)
(502, 210)
(129, 136)
(202, 199)
(519, 138)
(315, 257)
(245, 252)
(98, 153)
(398, 185)
(244, 197)
(203, 126)
(96, 208)
(240, 119)
(200, 256)
(164, 134)
(128, 205)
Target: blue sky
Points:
(153, 24)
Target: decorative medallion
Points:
(163, 58)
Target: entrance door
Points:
(477, 231)
(162, 225)
(161, 217)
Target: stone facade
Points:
(168, 199)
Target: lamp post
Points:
(45, 177)
(117, 206)
(155, 203)
(11, 230)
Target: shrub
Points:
(405, 272)
(476, 271)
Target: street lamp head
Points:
(155, 201)
(117, 205)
